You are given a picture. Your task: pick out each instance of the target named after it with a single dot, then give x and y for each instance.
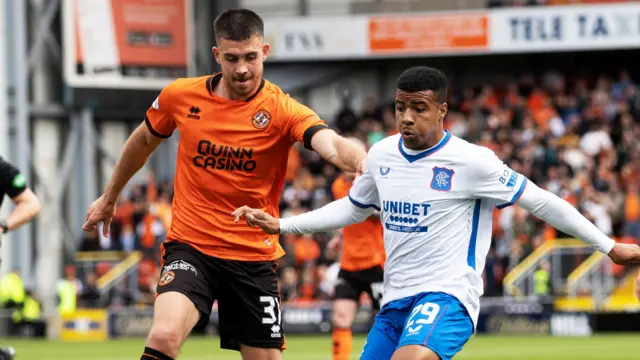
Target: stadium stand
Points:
(574, 136)
(567, 120)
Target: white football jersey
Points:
(437, 208)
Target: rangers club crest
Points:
(441, 180)
(261, 119)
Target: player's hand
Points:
(361, 167)
(101, 211)
(334, 244)
(259, 218)
(625, 254)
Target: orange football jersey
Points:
(231, 153)
(362, 244)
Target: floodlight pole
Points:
(20, 124)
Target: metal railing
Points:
(571, 262)
(594, 277)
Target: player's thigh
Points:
(249, 307)
(254, 353)
(414, 352)
(438, 322)
(185, 292)
(374, 279)
(346, 295)
(383, 337)
(174, 316)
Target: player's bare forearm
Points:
(27, 207)
(136, 151)
(339, 151)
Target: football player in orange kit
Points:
(361, 265)
(236, 130)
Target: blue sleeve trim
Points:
(363, 206)
(516, 196)
(471, 253)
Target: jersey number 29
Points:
(428, 312)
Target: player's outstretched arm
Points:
(339, 151)
(13, 183)
(564, 217)
(27, 207)
(136, 151)
(334, 215)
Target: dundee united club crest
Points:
(261, 119)
(442, 178)
(166, 278)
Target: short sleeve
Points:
(364, 192)
(492, 179)
(12, 182)
(159, 118)
(301, 122)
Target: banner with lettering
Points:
(561, 28)
(513, 30)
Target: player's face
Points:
(419, 117)
(242, 64)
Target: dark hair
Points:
(423, 78)
(238, 25)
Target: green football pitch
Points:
(612, 347)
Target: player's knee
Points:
(343, 313)
(165, 339)
(341, 319)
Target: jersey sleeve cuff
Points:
(308, 134)
(16, 192)
(153, 131)
(517, 195)
(363, 205)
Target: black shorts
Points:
(351, 284)
(247, 293)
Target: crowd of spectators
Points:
(572, 136)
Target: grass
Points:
(610, 347)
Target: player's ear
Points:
(442, 112)
(265, 50)
(216, 53)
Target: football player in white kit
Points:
(437, 193)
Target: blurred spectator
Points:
(90, 295)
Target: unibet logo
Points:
(19, 181)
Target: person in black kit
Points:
(13, 184)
